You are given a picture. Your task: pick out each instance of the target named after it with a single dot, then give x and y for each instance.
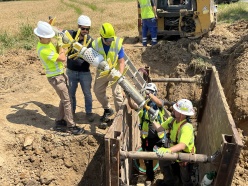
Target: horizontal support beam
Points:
(185, 157)
(183, 80)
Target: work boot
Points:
(90, 117)
(75, 130)
(107, 113)
(60, 125)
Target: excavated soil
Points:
(33, 154)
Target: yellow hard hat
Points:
(107, 31)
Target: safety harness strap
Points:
(179, 128)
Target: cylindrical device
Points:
(131, 91)
(208, 178)
(95, 58)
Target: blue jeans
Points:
(151, 25)
(85, 79)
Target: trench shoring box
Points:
(217, 131)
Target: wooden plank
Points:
(107, 161)
(114, 162)
(116, 125)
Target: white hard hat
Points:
(44, 30)
(84, 20)
(152, 87)
(184, 107)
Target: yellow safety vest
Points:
(48, 56)
(177, 131)
(145, 121)
(146, 9)
(114, 49)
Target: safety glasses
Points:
(108, 40)
(83, 28)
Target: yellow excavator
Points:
(184, 18)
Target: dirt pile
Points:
(32, 154)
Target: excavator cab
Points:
(186, 18)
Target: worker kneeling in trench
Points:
(181, 139)
(149, 136)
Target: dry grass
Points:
(199, 65)
(121, 13)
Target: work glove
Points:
(161, 151)
(59, 41)
(144, 92)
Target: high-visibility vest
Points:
(146, 9)
(48, 56)
(114, 49)
(145, 122)
(175, 131)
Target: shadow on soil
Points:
(95, 173)
(24, 115)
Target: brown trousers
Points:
(100, 88)
(60, 84)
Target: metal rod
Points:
(183, 80)
(186, 157)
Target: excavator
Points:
(184, 18)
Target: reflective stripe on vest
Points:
(144, 132)
(114, 49)
(146, 9)
(52, 68)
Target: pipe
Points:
(183, 80)
(186, 157)
(131, 91)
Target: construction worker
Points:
(149, 20)
(52, 62)
(110, 47)
(149, 136)
(181, 139)
(78, 70)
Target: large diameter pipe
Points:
(185, 157)
(131, 91)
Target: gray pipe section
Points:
(131, 91)
(185, 157)
(182, 80)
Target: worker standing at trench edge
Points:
(181, 138)
(78, 70)
(110, 47)
(149, 20)
(52, 62)
(149, 136)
